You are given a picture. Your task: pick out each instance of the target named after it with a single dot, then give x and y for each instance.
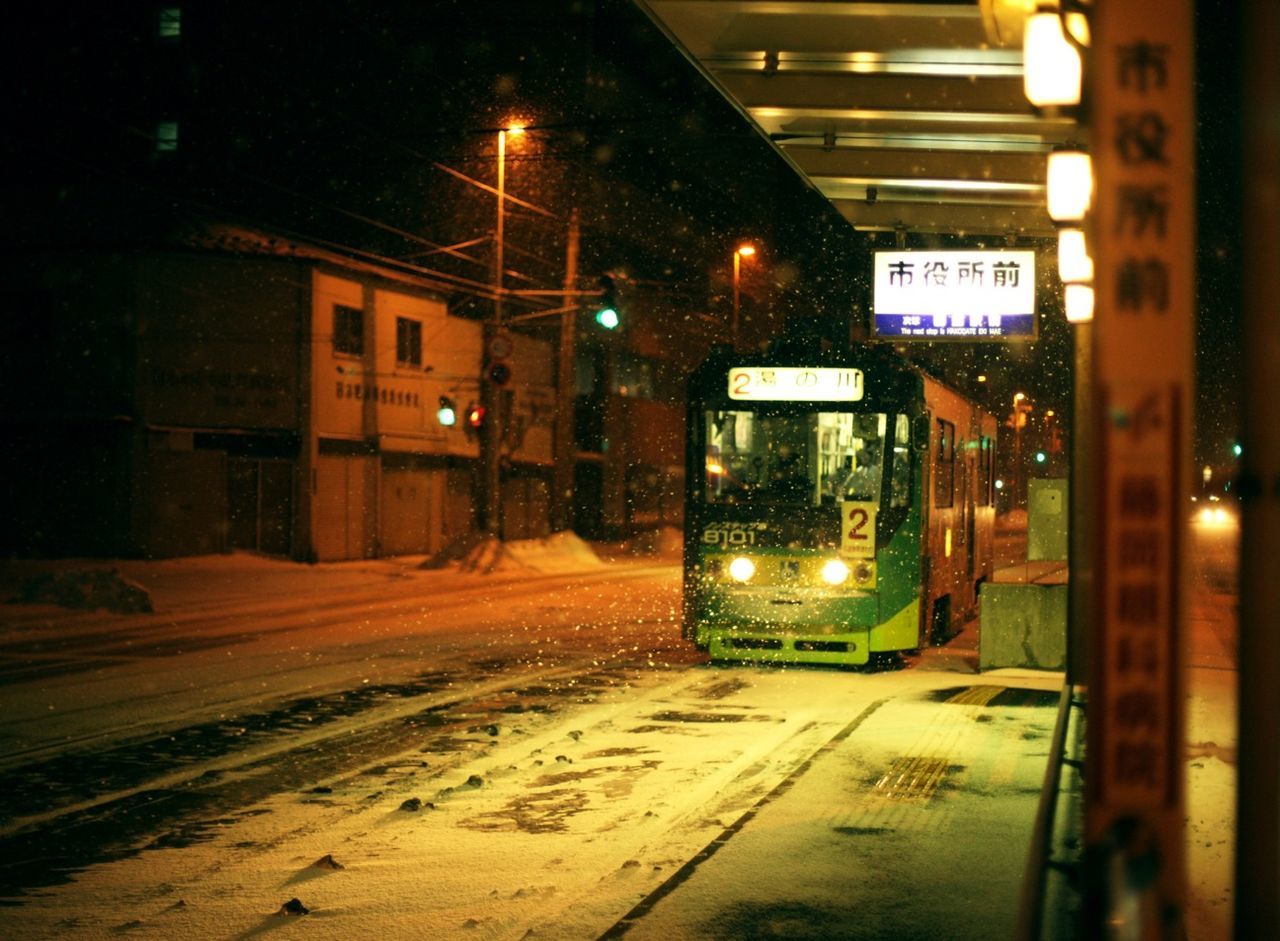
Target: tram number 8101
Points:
(733, 535)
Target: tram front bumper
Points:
(785, 646)
(799, 626)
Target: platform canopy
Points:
(906, 116)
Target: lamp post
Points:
(1020, 409)
(491, 400)
(739, 253)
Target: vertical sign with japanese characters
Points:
(1142, 133)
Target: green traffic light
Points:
(1041, 457)
(1237, 449)
(607, 317)
(447, 414)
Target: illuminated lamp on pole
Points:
(1069, 184)
(1075, 269)
(1074, 264)
(1052, 68)
(1078, 301)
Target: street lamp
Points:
(515, 130)
(1020, 409)
(745, 250)
(491, 401)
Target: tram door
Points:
(970, 526)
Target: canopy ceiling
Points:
(906, 116)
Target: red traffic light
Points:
(475, 416)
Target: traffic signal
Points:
(475, 419)
(1041, 457)
(499, 373)
(606, 309)
(446, 414)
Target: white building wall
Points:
(378, 407)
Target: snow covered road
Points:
(451, 757)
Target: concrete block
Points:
(1022, 626)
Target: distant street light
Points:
(739, 253)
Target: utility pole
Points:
(1020, 410)
(565, 450)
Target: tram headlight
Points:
(741, 569)
(835, 572)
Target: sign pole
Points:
(1258, 802)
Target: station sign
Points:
(795, 384)
(980, 294)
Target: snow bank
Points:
(665, 541)
(561, 552)
(86, 589)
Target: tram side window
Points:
(944, 467)
(984, 471)
(900, 482)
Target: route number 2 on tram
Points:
(858, 529)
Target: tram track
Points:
(603, 798)
(190, 784)
(312, 668)
(173, 766)
(154, 785)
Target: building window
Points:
(944, 467)
(167, 137)
(169, 24)
(408, 342)
(348, 330)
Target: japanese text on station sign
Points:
(1142, 441)
(1142, 229)
(978, 294)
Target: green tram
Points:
(838, 508)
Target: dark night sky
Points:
(1219, 233)
(326, 120)
(303, 115)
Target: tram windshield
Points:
(804, 459)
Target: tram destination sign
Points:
(955, 295)
(795, 384)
